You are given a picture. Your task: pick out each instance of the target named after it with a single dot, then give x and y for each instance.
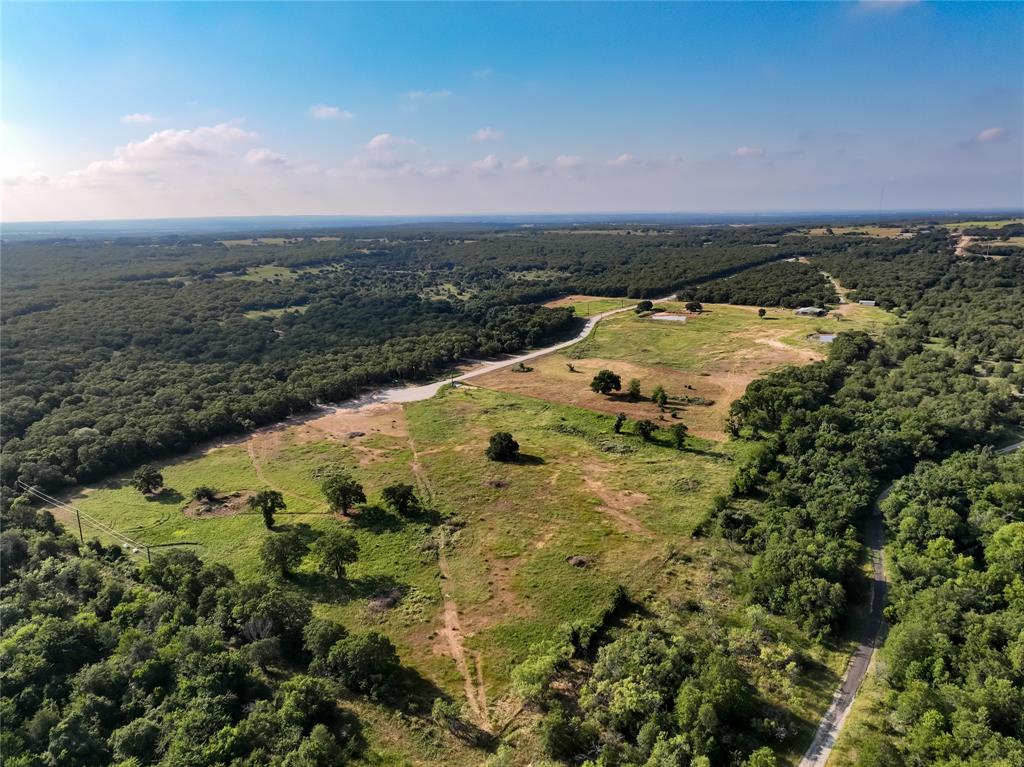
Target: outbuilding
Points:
(811, 311)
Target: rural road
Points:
(818, 753)
(426, 391)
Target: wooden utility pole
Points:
(78, 517)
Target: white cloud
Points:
(428, 95)
(568, 162)
(487, 134)
(483, 74)
(748, 151)
(165, 152)
(266, 158)
(523, 163)
(488, 164)
(27, 179)
(387, 156)
(991, 134)
(623, 160)
(138, 118)
(386, 141)
(325, 112)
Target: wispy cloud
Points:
(623, 160)
(266, 158)
(428, 95)
(524, 164)
(883, 6)
(991, 134)
(387, 141)
(483, 74)
(488, 164)
(138, 118)
(748, 151)
(487, 134)
(326, 112)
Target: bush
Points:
(605, 382)
(502, 447)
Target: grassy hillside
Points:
(509, 555)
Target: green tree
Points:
(605, 382)
(147, 479)
(645, 429)
(762, 312)
(365, 663)
(267, 503)
(643, 306)
(633, 390)
(335, 549)
(282, 552)
(679, 435)
(693, 306)
(342, 491)
(620, 421)
(320, 634)
(502, 447)
(659, 396)
(401, 498)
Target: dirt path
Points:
(615, 505)
(257, 467)
(451, 631)
(830, 726)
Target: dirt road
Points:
(426, 391)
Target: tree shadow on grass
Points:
(376, 520)
(325, 587)
(167, 495)
(306, 533)
(430, 517)
(525, 459)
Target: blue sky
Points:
(119, 110)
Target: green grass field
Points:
(624, 508)
(255, 314)
(984, 224)
(721, 333)
(588, 306)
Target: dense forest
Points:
(789, 284)
(116, 352)
(954, 679)
(832, 433)
(895, 273)
(175, 663)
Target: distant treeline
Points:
(787, 284)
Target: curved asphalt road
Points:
(831, 724)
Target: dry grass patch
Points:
(552, 381)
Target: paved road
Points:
(831, 724)
(426, 391)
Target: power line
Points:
(136, 546)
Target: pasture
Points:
(507, 555)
